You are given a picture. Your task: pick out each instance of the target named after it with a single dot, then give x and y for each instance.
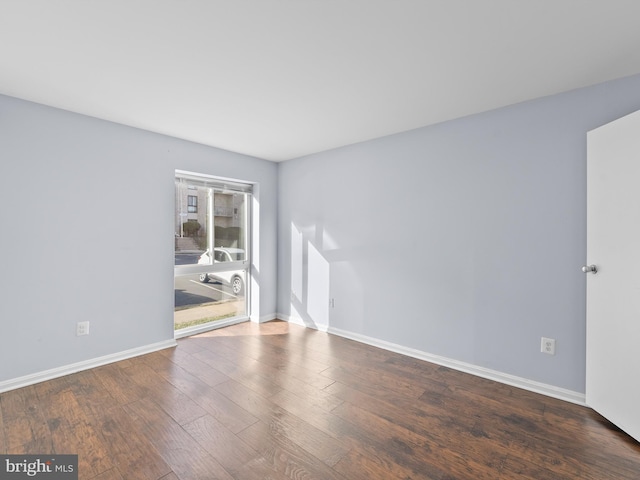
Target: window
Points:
(192, 204)
(212, 252)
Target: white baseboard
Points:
(34, 378)
(266, 318)
(524, 383)
(301, 322)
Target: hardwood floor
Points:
(277, 401)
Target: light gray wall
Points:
(87, 211)
(464, 239)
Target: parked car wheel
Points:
(237, 286)
(204, 277)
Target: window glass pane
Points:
(211, 230)
(205, 298)
(209, 217)
(191, 223)
(192, 204)
(230, 220)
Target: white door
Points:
(613, 292)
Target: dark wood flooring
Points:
(277, 401)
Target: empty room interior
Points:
(414, 221)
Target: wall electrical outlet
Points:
(548, 345)
(332, 302)
(82, 328)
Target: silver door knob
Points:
(590, 269)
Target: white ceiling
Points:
(278, 79)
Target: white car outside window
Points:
(232, 278)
